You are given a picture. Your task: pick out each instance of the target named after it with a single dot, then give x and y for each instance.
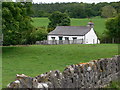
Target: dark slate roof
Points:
(70, 30)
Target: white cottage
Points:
(73, 35)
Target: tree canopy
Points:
(74, 9)
(113, 27)
(58, 19)
(108, 11)
(16, 22)
(38, 34)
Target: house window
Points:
(74, 38)
(53, 38)
(66, 38)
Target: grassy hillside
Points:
(34, 60)
(38, 22)
(99, 23)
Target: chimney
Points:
(90, 24)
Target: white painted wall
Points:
(50, 37)
(70, 37)
(91, 38)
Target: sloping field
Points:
(99, 23)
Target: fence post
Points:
(93, 41)
(112, 40)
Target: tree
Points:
(38, 34)
(16, 22)
(58, 19)
(108, 12)
(113, 27)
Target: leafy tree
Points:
(38, 34)
(116, 5)
(16, 22)
(113, 27)
(108, 12)
(58, 19)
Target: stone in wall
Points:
(22, 81)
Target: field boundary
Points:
(94, 74)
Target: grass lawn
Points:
(36, 59)
(99, 23)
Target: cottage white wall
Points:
(70, 37)
(50, 37)
(91, 38)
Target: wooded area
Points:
(77, 10)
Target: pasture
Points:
(99, 23)
(36, 59)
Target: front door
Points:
(60, 40)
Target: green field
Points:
(99, 23)
(34, 60)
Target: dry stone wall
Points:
(94, 74)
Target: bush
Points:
(38, 34)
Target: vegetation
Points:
(74, 9)
(113, 28)
(40, 22)
(115, 85)
(16, 23)
(58, 19)
(108, 12)
(34, 60)
(38, 34)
